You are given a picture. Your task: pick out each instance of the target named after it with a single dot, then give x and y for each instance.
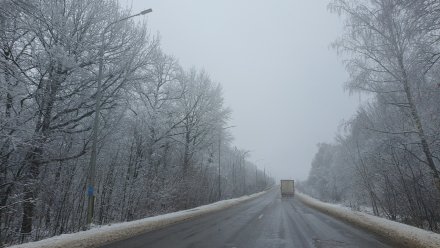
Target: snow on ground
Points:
(106, 234)
(400, 234)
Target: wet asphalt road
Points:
(267, 221)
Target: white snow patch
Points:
(107, 234)
(398, 233)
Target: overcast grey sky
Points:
(280, 78)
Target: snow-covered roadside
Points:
(106, 234)
(400, 234)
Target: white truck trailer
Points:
(287, 188)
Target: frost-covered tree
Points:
(159, 124)
(390, 148)
(393, 51)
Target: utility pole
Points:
(92, 162)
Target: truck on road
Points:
(287, 188)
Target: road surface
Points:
(267, 221)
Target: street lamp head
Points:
(146, 11)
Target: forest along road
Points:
(267, 221)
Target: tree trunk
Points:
(420, 130)
(33, 160)
(33, 157)
(186, 156)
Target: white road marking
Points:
(261, 216)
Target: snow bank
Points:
(107, 234)
(398, 233)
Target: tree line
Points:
(162, 140)
(387, 157)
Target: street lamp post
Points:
(264, 178)
(219, 153)
(256, 179)
(243, 169)
(92, 163)
(219, 175)
(234, 184)
(256, 169)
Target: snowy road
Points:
(267, 221)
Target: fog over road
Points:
(267, 221)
